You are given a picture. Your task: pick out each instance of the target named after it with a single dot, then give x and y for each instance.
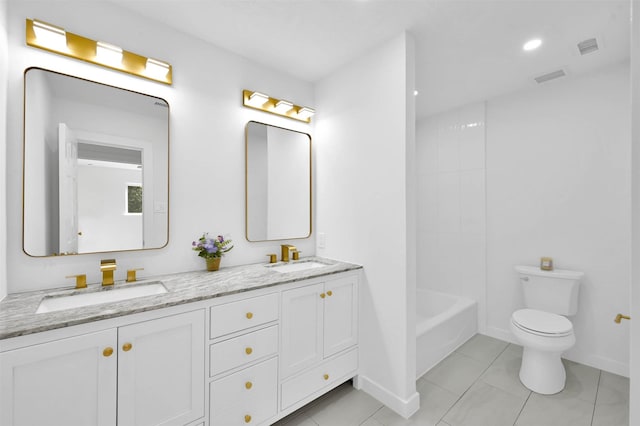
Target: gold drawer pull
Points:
(248, 351)
(329, 293)
(127, 347)
(247, 418)
(248, 385)
(322, 295)
(249, 315)
(326, 377)
(107, 351)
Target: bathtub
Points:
(443, 322)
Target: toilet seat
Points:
(542, 323)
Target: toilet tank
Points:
(550, 291)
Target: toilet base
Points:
(542, 371)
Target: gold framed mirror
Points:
(278, 183)
(96, 167)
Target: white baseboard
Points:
(404, 407)
(592, 360)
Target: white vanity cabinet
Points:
(65, 382)
(243, 360)
(148, 373)
(319, 337)
(247, 358)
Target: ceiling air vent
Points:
(550, 76)
(588, 46)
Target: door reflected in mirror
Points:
(95, 167)
(278, 183)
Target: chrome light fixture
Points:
(262, 102)
(55, 39)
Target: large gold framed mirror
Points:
(278, 183)
(96, 167)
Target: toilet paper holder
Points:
(620, 317)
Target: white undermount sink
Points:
(298, 266)
(78, 300)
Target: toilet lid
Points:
(540, 322)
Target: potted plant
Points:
(212, 249)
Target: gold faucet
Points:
(107, 266)
(285, 251)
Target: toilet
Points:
(542, 328)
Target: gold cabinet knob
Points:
(326, 377)
(248, 350)
(247, 418)
(329, 293)
(248, 385)
(249, 315)
(108, 351)
(322, 295)
(127, 347)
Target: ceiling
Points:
(466, 51)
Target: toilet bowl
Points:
(543, 328)
(544, 337)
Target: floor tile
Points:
(463, 390)
(550, 410)
(582, 382)
(612, 389)
(455, 373)
(296, 419)
(504, 372)
(345, 406)
(371, 422)
(482, 348)
(612, 402)
(434, 403)
(485, 405)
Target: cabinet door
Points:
(340, 315)
(66, 382)
(161, 371)
(301, 328)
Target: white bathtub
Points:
(443, 322)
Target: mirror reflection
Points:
(95, 167)
(278, 185)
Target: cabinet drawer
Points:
(242, 349)
(319, 377)
(250, 392)
(236, 316)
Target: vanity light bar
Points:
(280, 107)
(108, 54)
(55, 39)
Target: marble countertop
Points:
(18, 317)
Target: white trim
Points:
(595, 361)
(404, 407)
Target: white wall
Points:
(288, 213)
(634, 417)
(558, 184)
(207, 136)
(364, 136)
(451, 207)
(37, 201)
(4, 65)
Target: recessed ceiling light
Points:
(415, 93)
(532, 44)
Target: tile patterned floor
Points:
(478, 385)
